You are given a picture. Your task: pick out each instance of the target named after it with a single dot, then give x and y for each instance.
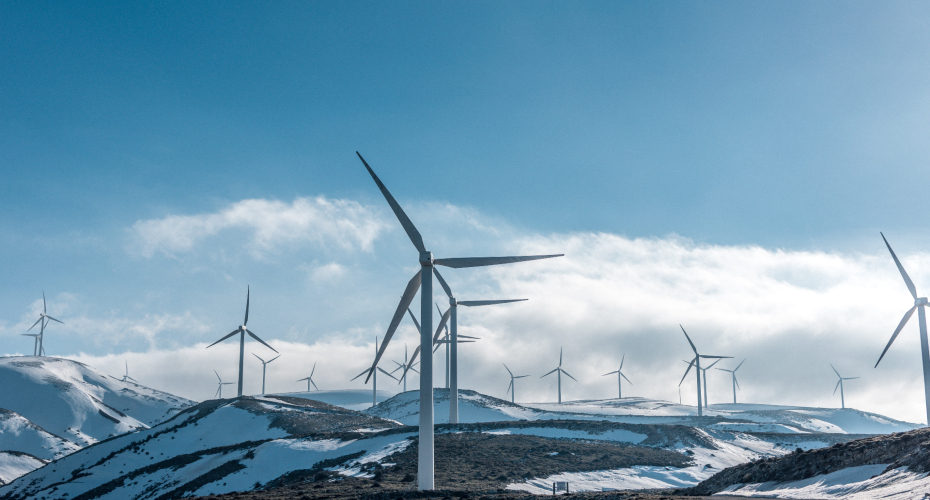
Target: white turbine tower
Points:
(733, 373)
(424, 278)
(219, 389)
(242, 330)
(560, 372)
(512, 388)
(35, 342)
(310, 379)
(264, 364)
(619, 381)
(839, 385)
(43, 321)
(126, 376)
(919, 304)
(697, 361)
(704, 374)
(452, 313)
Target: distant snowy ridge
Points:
(18, 434)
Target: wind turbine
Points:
(697, 361)
(424, 278)
(919, 303)
(445, 340)
(264, 363)
(126, 376)
(43, 321)
(452, 313)
(374, 385)
(560, 372)
(839, 385)
(405, 366)
(242, 330)
(310, 379)
(619, 374)
(219, 389)
(733, 372)
(512, 389)
(35, 343)
(704, 373)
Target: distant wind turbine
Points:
(43, 321)
(619, 381)
(424, 278)
(920, 303)
(512, 388)
(839, 385)
(310, 379)
(405, 366)
(560, 371)
(733, 372)
(374, 378)
(697, 361)
(242, 330)
(126, 376)
(264, 364)
(219, 389)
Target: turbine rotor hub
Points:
(242, 328)
(426, 259)
(452, 301)
(920, 301)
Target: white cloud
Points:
(344, 224)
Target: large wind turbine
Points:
(512, 388)
(424, 278)
(733, 372)
(697, 361)
(242, 330)
(839, 385)
(919, 303)
(310, 379)
(452, 314)
(43, 321)
(560, 372)
(219, 389)
(264, 364)
(126, 376)
(619, 374)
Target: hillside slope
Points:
(18, 434)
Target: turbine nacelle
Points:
(426, 258)
(920, 301)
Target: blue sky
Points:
(791, 127)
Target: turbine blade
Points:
(711, 365)
(468, 337)
(246, 320)
(569, 376)
(462, 262)
(415, 370)
(837, 386)
(410, 365)
(716, 357)
(724, 370)
(611, 373)
(621, 362)
(366, 371)
(850, 378)
(509, 386)
(218, 376)
(739, 365)
(272, 359)
(474, 303)
(689, 341)
(386, 373)
(560, 357)
(414, 318)
(521, 376)
(737, 382)
(834, 371)
(442, 283)
(907, 279)
(624, 378)
(897, 330)
(442, 323)
(313, 370)
(550, 373)
(53, 319)
(260, 340)
(437, 345)
(224, 338)
(409, 228)
(34, 324)
(314, 384)
(44, 308)
(412, 286)
(508, 370)
(260, 359)
(688, 370)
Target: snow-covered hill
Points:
(217, 446)
(18, 434)
(14, 464)
(350, 399)
(78, 403)
(476, 407)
